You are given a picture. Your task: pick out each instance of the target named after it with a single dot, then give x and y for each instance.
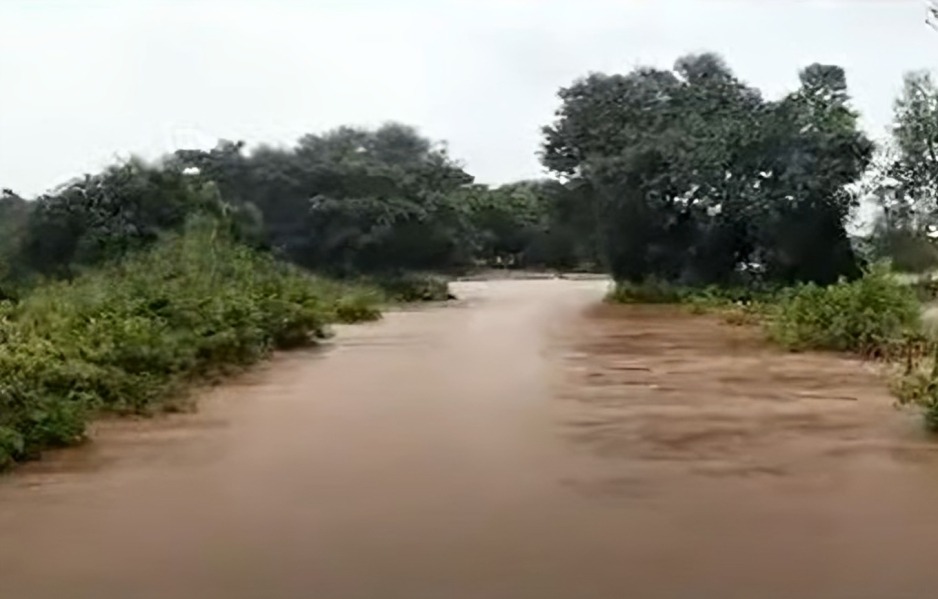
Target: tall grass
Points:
(129, 337)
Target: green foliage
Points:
(917, 383)
(131, 335)
(697, 179)
(656, 291)
(350, 201)
(106, 216)
(649, 291)
(878, 316)
(356, 308)
(903, 180)
(14, 214)
(12, 444)
(919, 388)
(354, 201)
(865, 315)
(685, 183)
(505, 220)
(914, 166)
(412, 287)
(926, 289)
(531, 224)
(744, 314)
(907, 251)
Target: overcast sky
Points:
(83, 82)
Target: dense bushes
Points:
(354, 202)
(348, 203)
(918, 386)
(656, 291)
(102, 217)
(650, 291)
(865, 315)
(412, 287)
(129, 336)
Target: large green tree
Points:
(105, 216)
(903, 180)
(349, 200)
(697, 177)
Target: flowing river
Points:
(525, 442)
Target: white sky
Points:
(85, 81)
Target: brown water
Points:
(526, 443)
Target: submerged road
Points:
(524, 443)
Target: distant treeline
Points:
(345, 203)
(686, 175)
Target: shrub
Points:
(917, 383)
(413, 287)
(926, 289)
(130, 336)
(919, 388)
(649, 291)
(864, 315)
(357, 307)
(699, 300)
(744, 314)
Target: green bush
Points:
(357, 307)
(699, 300)
(649, 291)
(413, 287)
(130, 336)
(919, 388)
(865, 315)
(926, 289)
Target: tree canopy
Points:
(698, 178)
(903, 179)
(687, 174)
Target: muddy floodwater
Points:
(525, 442)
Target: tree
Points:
(505, 221)
(816, 150)
(903, 181)
(349, 200)
(105, 216)
(14, 214)
(697, 177)
(915, 137)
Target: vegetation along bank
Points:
(123, 287)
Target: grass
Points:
(133, 336)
